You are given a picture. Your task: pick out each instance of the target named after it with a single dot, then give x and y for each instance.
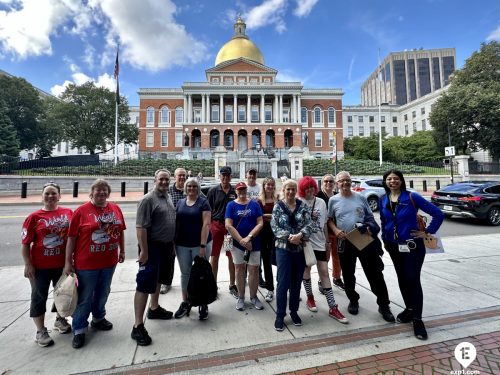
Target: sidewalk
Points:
(462, 303)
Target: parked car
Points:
(206, 185)
(474, 199)
(372, 189)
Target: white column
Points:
(293, 110)
(235, 108)
(275, 109)
(203, 108)
(280, 110)
(431, 65)
(249, 109)
(262, 119)
(441, 71)
(299, 109)
(208, 109)
(184, 114)
(190, 109)
(221, 105)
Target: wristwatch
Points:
(203, 246)
(250, 236)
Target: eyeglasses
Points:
(191, 186)
(328, 181)
(344, 181)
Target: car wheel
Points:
(493, 216)
(373, 203)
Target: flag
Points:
(116, 74)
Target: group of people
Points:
(255, 225)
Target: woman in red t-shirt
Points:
(44, 237)
(95, 246)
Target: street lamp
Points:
(451, 156)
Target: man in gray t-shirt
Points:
(345, 210)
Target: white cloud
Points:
(270, 12)
(351, 66)
(494, 35)
(286, 75)
(304, 7)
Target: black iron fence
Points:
(477, 167)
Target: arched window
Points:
(270, 138)
(164, 115)
(256, 138)
(196, 138)
(303, 115)
(288, 138)
(228, 139)
(150, 116)
(317, 115)
(331, 115)
(214, 138)
(179, 115)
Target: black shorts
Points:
(320, 255)
(40, 289)
(157, 269)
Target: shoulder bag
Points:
(308, 250)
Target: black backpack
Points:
(202, 288)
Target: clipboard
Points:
(358, 239)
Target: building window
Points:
(197, 115)
(150, 117)
(414, 127)
(331, 115)
(286, 115)
(318, 139)
(59, 147)
(424, 124)
(179, 115)
(360, 118)
(214, 138)
(349, 118)
(422, 111)
(372, 130)
(164, 139)
(394, 119)
(361, 131)
(228, 113)
(406, 117)
(242, 113)
(303, 115)
(406, 129)
(383, 130)
(126, 149)
(330, 139)
(215, 113)
(149, 139)
(414, 114)
(382, 118)
(371, 119)
(268, 113)
(350, 131)
(255, 113)
(164, 116)
(178, 139)
(395, 131)
(317, 115)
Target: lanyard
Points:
(393, 206)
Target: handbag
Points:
(227, 244)
(433, 243)
(66, 295)
(421, 220)
(308, 250)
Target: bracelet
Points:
(203, 246)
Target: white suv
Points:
(372, 189)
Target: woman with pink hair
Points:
(307, 190)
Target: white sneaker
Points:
(269, 296)
(62, 325)
(240, 305)
(43, 339)
(256, 303)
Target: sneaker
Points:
(164, 289)
(184, 309)
(140, 335)
(279, 324)
(102, 325)
(62, 325)
(406, 316)
(339, 284)
(203, 312)
(353, 308)
(386, 314)
(240, 305)
(233, 290)
(419, 329)
(311, 304)
(43, 339)
(159, 313)
(320, 288)
(295, 319)
(269, 296)
(78, 341)
(337, 315)
(256, 303)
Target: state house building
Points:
(240, 106)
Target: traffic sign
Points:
(449, 151)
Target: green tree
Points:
(87, 115)
(362, 148)
(9, 144)
(50, 130)
(420, 146)
(470, 110)
(23, 107)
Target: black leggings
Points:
(267, 242)
(408, 267)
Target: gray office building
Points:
(408, 75)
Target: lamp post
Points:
(451, 156)
(334, 150)
(258, 147)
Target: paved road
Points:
(12, 217)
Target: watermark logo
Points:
(465, 353)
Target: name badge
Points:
(403, 248)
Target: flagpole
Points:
(117, 101)
(116, 133)
(379, 110)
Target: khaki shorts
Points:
(238, 257)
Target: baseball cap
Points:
(225, 170)
(252, 170)
(240, 185)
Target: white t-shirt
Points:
(253, 191)
(318, 218)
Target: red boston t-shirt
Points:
(48, 231)
(97, 231)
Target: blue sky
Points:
(322, 43)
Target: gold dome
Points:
(239, 46)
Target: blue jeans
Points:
(93, 291)
(185, 257)
(291, 267)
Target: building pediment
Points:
(241, 65)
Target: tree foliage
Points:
(87, 115)
(470, 110)
(9, 144)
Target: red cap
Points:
(240, 185)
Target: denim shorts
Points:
(157, 269)
(40, 289)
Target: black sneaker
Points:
(159, 313)
(419, 329)
(184, 309)
(203, 312)
(102, 325)
(386, 314)
(233, 290)
(140, 335)
(339, 283)
(279, 324)
(295, 319)
(406, 316)
(321, 290)
(353, 308)
(78, 340)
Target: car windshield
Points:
(461, 188)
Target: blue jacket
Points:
(406, 216)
